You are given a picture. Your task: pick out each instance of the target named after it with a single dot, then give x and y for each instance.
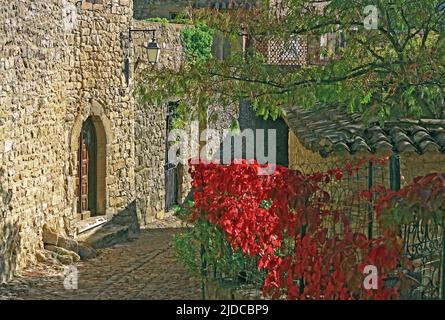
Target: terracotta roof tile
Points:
(332, 130)
(440, 138)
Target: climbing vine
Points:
(280, 222)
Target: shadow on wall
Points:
(185, 193)
(9, 250)
(128, 217)
(9, 235)
(249, 120)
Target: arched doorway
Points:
(91, 164)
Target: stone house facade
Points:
(74, 142)
(323, 140)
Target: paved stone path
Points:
(143, 268)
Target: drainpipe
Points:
(370, 207)
(394, 172)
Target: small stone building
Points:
(74, 142)
(326, 137)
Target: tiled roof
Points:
(333, 130)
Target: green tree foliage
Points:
(394, 70)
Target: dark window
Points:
(171, 169)
(223, 47)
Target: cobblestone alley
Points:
(143, 268)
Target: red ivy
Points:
(257, 213)
(425, 195)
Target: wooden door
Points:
(84, 157)
(86, 180)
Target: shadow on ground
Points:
(143, 268)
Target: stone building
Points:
(74, 143)
(323, 140)
(333, 137)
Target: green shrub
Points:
(180, 19)
(197, 42)
(203, 250)
(164, 21)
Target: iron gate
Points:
(424, 246)
(423, 240)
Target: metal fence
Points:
(346, 194)
(424, 242)
(231, 270)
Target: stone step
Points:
(91, 223)
(107, 235)
(64, 246)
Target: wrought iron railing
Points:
(424, 246)
(424, 242)
(231, 270)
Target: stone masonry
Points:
(60, 64)
(150, 122)
(63, 62)
(168, 8)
